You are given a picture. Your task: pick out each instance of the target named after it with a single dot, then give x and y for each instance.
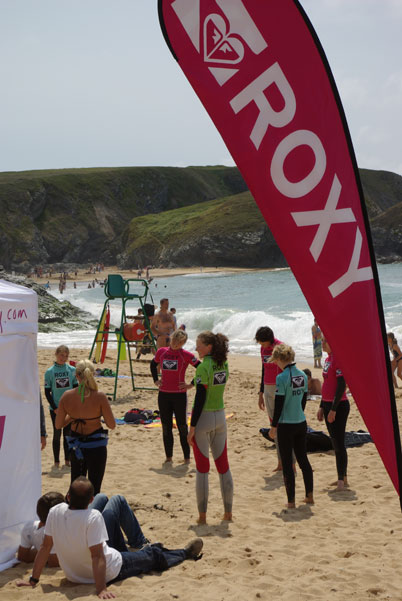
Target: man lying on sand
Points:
(88, 552)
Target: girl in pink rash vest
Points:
(172, 397)
(335, 409)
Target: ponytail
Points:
(85, 369)
(220, 346)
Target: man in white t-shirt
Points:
(79, 537)
(33, 532)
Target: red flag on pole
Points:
(262, 75)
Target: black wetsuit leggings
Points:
(174, 403)
(292, 437)
(337, 433)
(92, 466)
(57, 439)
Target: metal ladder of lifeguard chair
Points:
(116, 288)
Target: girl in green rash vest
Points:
(208, 421)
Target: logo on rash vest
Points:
(62, 382)
(219, 378)
(297, 381)
(170, 364)
(266, 358)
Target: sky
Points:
(91, 83)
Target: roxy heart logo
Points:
(2, 423)
(221, 37)
(170, 364)
(219, 45)
(219, 378)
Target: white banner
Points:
(20, 467)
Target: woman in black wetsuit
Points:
(334, 408)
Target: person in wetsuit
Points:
(59, 378)
(289, 423)
(83, 408)
(335, 409)
(208, 421)
(266, 396)
(172, 397)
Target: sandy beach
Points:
(345, 546)
(83, 275)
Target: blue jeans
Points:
(118, 515)
(150, 558)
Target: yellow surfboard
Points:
(99, 338)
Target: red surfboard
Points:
(105, 336)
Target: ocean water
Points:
(235, 304)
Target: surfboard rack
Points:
(117, 288)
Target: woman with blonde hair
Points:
(172, 397)
(208, 421)
(83, 408)
(289, 422)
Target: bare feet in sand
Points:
(227, 516)
(340, 484)
(309, 499)
(202, 518)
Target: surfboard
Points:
(105, 335)
(99, 338)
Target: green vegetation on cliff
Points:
(157, 215)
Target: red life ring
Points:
(134, 331)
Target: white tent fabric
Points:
(20, 467)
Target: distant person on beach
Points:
(317, 344)
(59, 378)
(396, 363)
(90, 551)
(163, 324)
(289, 422)
(313, 384)
(173, 312)
(83, 408)
(208, 421)
(33, 532)
(335, 409)
(266, 396)
(172, 397)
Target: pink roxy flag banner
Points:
(262, 75)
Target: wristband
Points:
(33, 580)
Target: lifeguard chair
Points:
(136, 335)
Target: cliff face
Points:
(158, 215)
(77, 215)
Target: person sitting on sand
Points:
(313, 384)
(289, 422)
(86, 550)
(34, 531)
